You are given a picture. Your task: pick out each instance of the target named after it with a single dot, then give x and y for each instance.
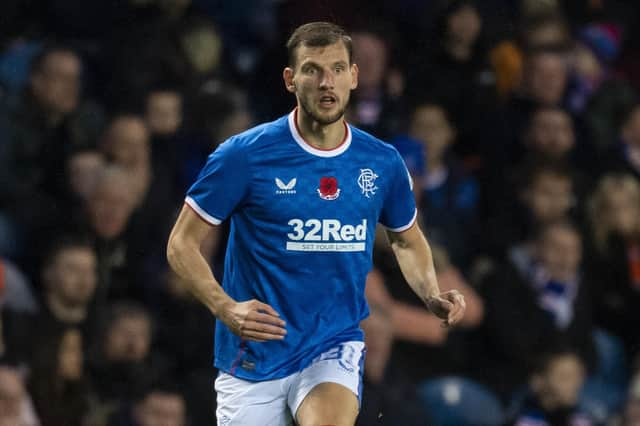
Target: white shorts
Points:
(275, 402)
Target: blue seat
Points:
(457, 401)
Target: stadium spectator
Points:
(614, 259)
(150, 157)
(16, 407)
(109, 210)
(184, 332)
(631, 412)
(161, 405)
(536, 299)
(550, 134)
(447, 194)
(163, 111)
(546, 30)
(58, 383)
(69, 282)
(164, 116)
(217, 111)
(538, 192)
(623, 155)
(126, 144)
(389, 397)
(455, 72)
(16, 293)
(546, 77)
(44, 125)
(83, 170)
(121, 363)
(544, 83)
(554, 387)
(377, 106)
(597, 93)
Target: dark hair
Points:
(126, 309)
(38, 61)
(540, 363)
(66, 242)
(537, 166)
(168, 385)
(318, 34)
(547, 108)
(565, 224)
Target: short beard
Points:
(320, 120)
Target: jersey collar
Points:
(295, 132)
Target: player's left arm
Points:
(416, 262)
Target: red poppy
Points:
(328, 186)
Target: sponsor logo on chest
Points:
(326, 235)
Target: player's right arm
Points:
(251, 320)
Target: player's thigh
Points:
(328, 404)
(244, 403)
(328, 390)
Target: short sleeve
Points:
(399, 209)
(222, 183)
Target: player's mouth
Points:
(328, 101)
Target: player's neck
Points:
(318, 135)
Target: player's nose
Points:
(326, 81)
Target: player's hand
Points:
(253, 320)
(449, 306)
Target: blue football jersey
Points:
(303, 224)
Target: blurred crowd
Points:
(518, 120)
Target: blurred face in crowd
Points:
(370, 53)
(84, 168)
(111, 203)
(585, 63)
(12, 397)
(161, 409)
(70, 356)
(164, 112)
(560, 252)
(129, 339)
(622, 210)
(560, 384)
(71, 276)
(430, 126)
(551, 133)
(127, 142)
(549, 197)
(56, 85)
(464, 25)
(552, 32)
(239, 121)
(203, 48)
(322, 80)
(546, 76)
(631, 129)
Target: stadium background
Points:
(518, 120)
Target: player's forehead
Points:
(322, 55)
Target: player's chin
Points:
(329, 117)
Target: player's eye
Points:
(339, 68)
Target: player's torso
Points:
(305, 203)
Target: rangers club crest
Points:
(367, 182)
(328, 189)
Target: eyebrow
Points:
(317, 65)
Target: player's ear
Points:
(287, 76)
(354, 76)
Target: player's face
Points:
(322, 81)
